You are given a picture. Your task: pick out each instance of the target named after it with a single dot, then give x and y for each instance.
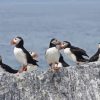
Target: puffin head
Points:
(34, 55)
(65, 44)
(99, 45)
(54, 42)
(17, 41)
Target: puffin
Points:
(21, 54)
(74, 53)
(96, 56)
(53, 55)
(7, 68)
(34, 55)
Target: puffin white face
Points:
(65, 44)
(99, 45)
(15, 41)
(34, 55)
(31, 53)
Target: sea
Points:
(38, 21)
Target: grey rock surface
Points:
(71, 83)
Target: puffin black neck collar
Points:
(20, 44)
(69, 45)
(52, 45)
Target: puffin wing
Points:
(79, 51)
(29, 57)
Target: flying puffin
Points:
(96, 56)
(21, 54)
(6, 67)
(74, 53)
(53, 56)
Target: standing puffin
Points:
(21, 54)
(6, 67)
(34, 55)
(96, 56)
(74, 53)
(53, 55)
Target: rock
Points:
(70, 83)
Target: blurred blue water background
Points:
(38, 21)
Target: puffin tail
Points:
(84, 59)
(65, 64)
(86, 55)
(62, 61)
(35, 62)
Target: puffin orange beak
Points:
(12, 42)
(62, 46)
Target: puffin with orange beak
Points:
(74, 53)
(53, 55)
(21, 54)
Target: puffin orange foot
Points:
(24, 68)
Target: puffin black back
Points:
(6, 67)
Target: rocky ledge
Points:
(71, 83)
